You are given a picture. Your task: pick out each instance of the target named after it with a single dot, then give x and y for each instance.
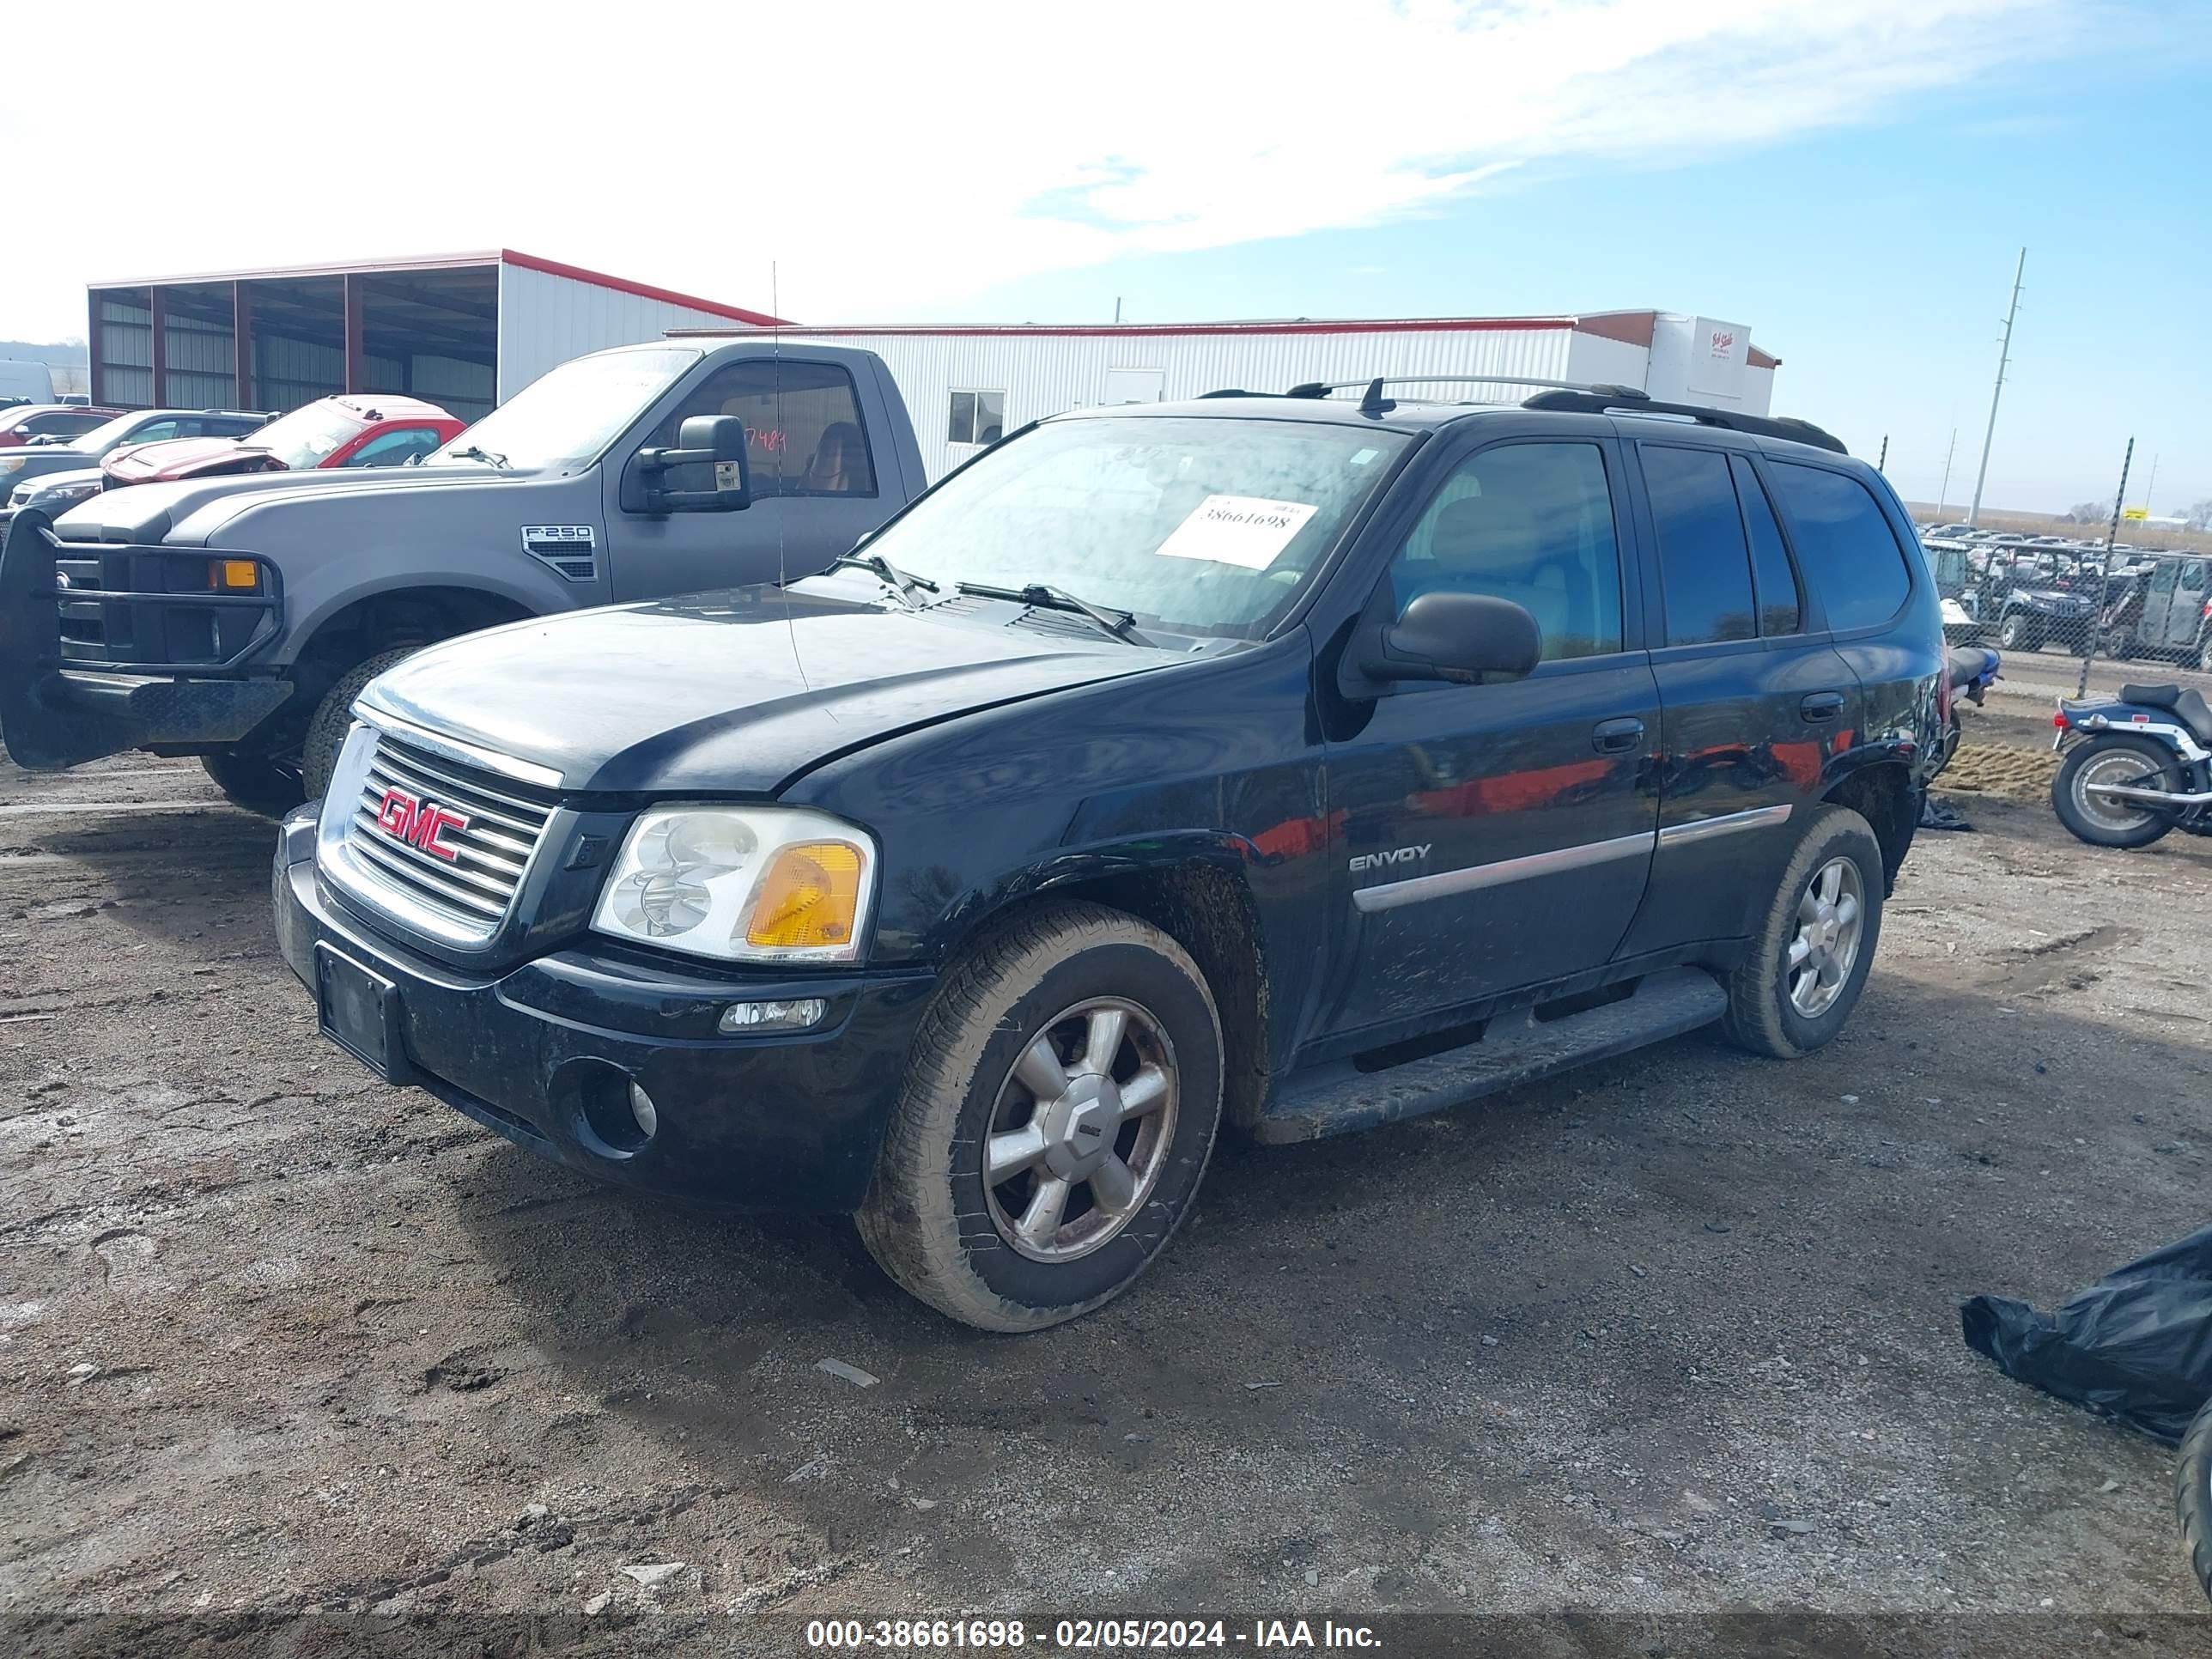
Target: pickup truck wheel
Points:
(255, 782)
(333, 719)
(1807, 966)
(1059, 1109)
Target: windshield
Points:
(562, 420)
(108, 433)
(1192, 526)
(308, 437)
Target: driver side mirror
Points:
(710, 441)
(1467, 638)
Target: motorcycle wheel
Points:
(2136, 762)
(2192, 1497)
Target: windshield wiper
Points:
(479, 452)
(1046, 597)
(904, 583)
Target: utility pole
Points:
(2152, 485)
(2004, 357)
(1942, 494)
(1117, 308)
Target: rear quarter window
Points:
(1845, 545)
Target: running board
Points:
(1515, 1049)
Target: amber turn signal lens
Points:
(234, 574)
(810, 897)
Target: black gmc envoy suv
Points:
(1297, 762)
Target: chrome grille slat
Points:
(472, 892)
(442, 774)
(501, 855)
(414, 875)
(492, 886)
(415, 781)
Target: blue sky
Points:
(1850, 178)
(1875, 260)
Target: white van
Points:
(27, 382)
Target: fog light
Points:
(740, 1018)
(641, 1108)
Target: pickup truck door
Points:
(1498, 836)
(819, 472)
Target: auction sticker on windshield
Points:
(1240, 530)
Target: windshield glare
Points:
(1192, 526)
(108, 433)
(307, 437)
(562, 420)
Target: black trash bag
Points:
(1941, 815)
(2136, 1345)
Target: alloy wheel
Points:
(1831, 920)
(1080, 1130)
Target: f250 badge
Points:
(1366, 861)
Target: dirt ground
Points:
(1674, 1335)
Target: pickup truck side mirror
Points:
(1465, 637)
(703, 440)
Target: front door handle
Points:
(1821, 705)
(1617, 736)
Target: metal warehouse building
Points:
(466, 330)
(967, 385)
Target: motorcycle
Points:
(1972, 670)
(2137, 765)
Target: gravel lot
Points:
(1674, 1335)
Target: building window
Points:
(978, 417)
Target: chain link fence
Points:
(2028, 594)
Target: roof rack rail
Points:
(1596, 401)
(1374, 403)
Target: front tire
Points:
(255, 782)
(1798, 984)
(333, 718)
(2137, 762)
(1059, 1107)
(2020, 632)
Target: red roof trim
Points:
(643, 290)
(1133, 330)
(1763, 359)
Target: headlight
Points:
(63, 495)
(744, 884)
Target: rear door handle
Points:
(1823, 705)
(1617, 736)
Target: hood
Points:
(173, 457)
(730, 694)
(187, 512)
(51, 481)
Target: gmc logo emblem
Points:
(420, 824)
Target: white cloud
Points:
(886, 157)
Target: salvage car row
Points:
(1286, 763)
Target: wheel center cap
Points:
(1078, 1126)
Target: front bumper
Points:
(790, 1123)
(108, 648)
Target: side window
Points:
(1780, 608)
(1532, 523)
(2192, 575)
(67, 426)
(395, 448)
(803, 435)
(157, 431)
(1705, 569)
(977, 417)
(1845, 544)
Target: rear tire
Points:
(969, 1215)
(1783, 1002)
(333, 719)
(255, 782)
(2192, 1497)
(2135, 761)
(2020, 632)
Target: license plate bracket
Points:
(359, 1010)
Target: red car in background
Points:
(357, 429)
(22, 423)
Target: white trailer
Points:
(967, 385)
